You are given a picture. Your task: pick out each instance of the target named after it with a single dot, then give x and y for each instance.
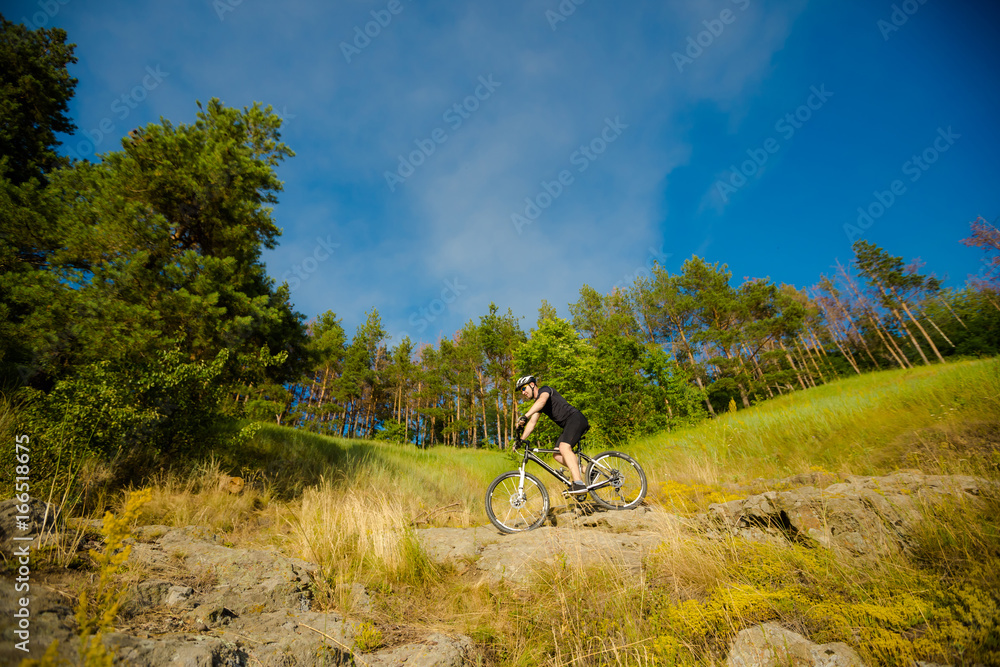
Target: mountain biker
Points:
(547, 401)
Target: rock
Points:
(247, 580)
(455, 544)
(292, 638)
(523, 556)
(621, 538)
(356, 597)
(149, 594)
(436, 650)
(41, 516)
(177, 594)
(580, 537)
(770, 645)
(52, 618)
(864, 516)
(181, 650)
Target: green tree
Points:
(500, 336)
(718, 318)
(326, 349)
(35, 89)
(895, 287)
(558, 356)
(158, 258)
(595, 314)
(669, 314)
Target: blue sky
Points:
(463, 153)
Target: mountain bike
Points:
(517, 500)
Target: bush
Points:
(131, 415)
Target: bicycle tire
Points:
(511, 512)
(626, 481)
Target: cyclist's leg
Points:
(567, 458)
(573, 431)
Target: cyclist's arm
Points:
(533, 412)
(532, 420)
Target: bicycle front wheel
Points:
(622, 483)
(512, 509)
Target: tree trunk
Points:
(930, 341)
(913, 340)
(810, 358)
(953, 313)
(938, 329)
(500, 439)
(847, 355)
(906, 309)
(792, 363)
(868, 310)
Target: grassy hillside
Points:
(937, 419)
(352, 506)
(863, 425)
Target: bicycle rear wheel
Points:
(623, 483)
(512, 510)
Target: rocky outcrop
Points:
(863, 516)
(577, 537)
(770, 645)
(235, 580)
(40, 517)
(436, 650)
(203, 603)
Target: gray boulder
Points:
(183, 651)
(436, 650)
(243, 579)
(41, 517)
(586, 537)
(864, 516)
(770, 645)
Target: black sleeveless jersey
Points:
(557, 408)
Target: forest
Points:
(138, 322)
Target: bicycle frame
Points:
(531, 453)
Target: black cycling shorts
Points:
(574, 430)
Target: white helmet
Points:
(527, 379)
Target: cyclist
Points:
(547, 401)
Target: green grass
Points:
(424, 479)
(864, 425)
(938, 419)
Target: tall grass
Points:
(864, 425)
